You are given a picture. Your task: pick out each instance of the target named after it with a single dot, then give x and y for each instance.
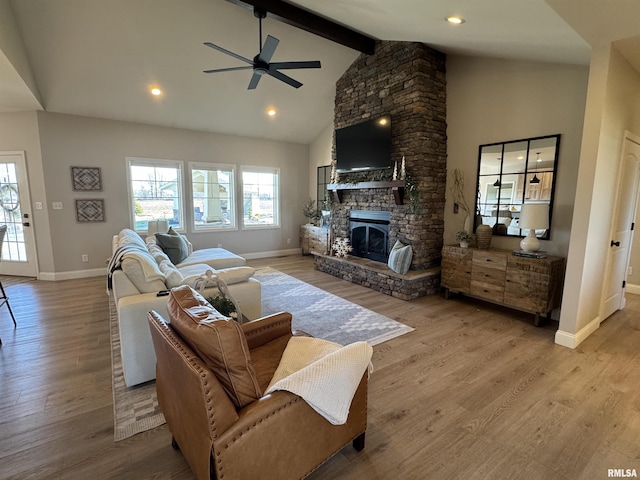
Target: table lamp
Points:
(534, 216)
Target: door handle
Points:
(617, 244)
(26, 224)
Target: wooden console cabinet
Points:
(314, 239)
(529, 284)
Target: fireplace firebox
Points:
(369, 234)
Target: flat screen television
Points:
(364, 146)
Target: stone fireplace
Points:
(405, 80)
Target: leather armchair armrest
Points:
(266, 329)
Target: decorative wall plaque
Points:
(86, 179)
(90, 211)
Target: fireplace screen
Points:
(369, 234)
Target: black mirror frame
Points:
(478, 204)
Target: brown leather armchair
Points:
(278, 436)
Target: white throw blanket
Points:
(148, 264)
(326, 375)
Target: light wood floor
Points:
(475, 392)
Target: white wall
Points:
(14, 64)
(319, 156)
(493, 100)
(19, 132)
(613, 104)
(68, 140)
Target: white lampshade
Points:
(533, 216)
(155, 226)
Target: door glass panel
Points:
(13, 247)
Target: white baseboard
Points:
(572, 340)
(273, 253)
(631, 288)
(56, 276)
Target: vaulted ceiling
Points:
(99, 57)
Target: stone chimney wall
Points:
(408, 81)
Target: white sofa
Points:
(139, 269)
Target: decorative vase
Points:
(483, 236)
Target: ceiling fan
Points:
(261, 63)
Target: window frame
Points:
(158, 163)
(276, 197)
(233, 216)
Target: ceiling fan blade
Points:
(253, 83)
(248, 67)
(228, 52)
(290, 65)
(284, 78)
(268, 48)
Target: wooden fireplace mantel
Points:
(397, 186)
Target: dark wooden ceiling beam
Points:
(310, 22)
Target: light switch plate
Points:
(38, 205)
(56, 205)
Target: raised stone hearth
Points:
(377, 276)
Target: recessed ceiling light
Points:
(455, 20)
(155, 91)
(271, 112)
(383, 121)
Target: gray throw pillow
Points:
(174, 246)
(400, 258)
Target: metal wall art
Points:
(86, 179)
(90, 211)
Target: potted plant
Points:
(464, 238)
(311, 212)
(223, 305)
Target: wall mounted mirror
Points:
(511, 174)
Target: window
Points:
(213, 196)
(155, 191)
(260, 192)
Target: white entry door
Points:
(19, 247)
(622, 230)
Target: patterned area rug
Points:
(323, 314)
(135, 409)
(315, 311)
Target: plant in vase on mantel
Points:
(464, 237)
